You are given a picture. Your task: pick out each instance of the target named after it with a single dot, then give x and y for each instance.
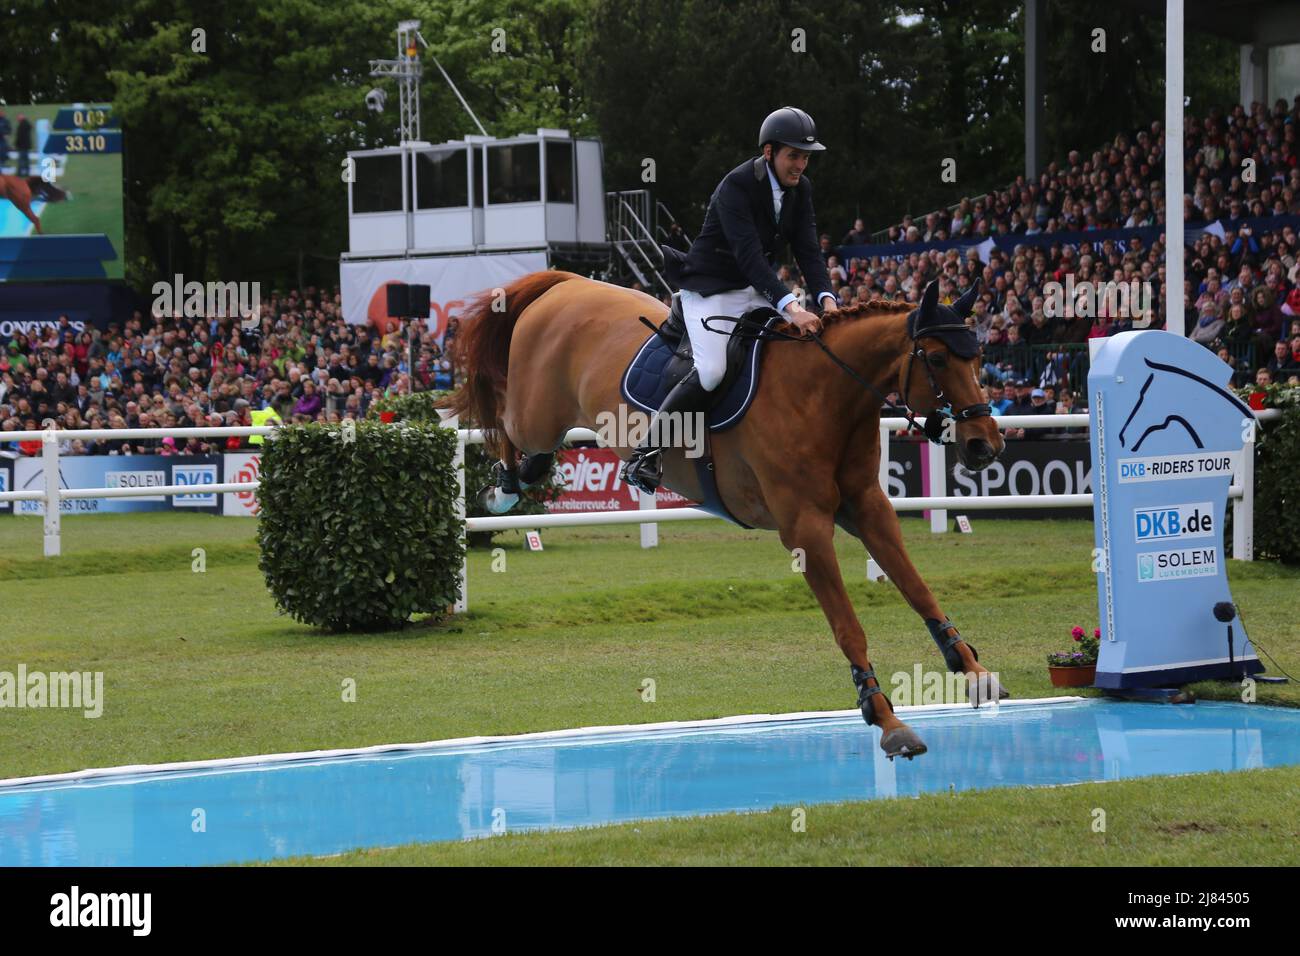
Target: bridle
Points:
(936, 421)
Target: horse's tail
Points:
(482, 348)
(43, 190)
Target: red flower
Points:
(1077, 633)
(387, 417)
(1096, 632)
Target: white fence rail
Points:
(1242, 490)
(51, 494)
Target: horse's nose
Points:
(979, 453)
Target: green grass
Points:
(1230, 819)
(199, 665)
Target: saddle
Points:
(666, 356)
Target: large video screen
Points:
(60, 192)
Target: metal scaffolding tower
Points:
(406, 69)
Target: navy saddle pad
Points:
(665, 357)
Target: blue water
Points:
(332, 805)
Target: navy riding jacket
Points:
(740, 242)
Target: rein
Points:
(934, 422)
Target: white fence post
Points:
(50, 465)
(649, 531)
(937, 463)
(874, 571)
(885, 432)
(1243, 508)
(458, 462)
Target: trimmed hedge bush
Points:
(1277, 477)
(358, 526)
(418, 407)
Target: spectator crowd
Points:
(1241, 285)
(302, 362)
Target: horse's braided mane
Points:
(861, 310)
(865, 310)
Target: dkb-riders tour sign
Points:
(1166, 437)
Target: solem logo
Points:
(194, 475)
(1180, 521)
(1174, 565)
(136, 479)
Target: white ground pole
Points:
(1174, 250)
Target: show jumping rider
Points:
(759, 206)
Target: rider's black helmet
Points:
(789, 126)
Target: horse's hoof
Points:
(902, 742)
(985, 689)
(494, 501)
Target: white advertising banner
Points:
(452, 282)
(241, 467)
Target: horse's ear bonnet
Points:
(946, 323)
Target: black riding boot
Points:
(644, 470)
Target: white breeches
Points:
(710, 345)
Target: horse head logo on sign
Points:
(1167, 437)
(1152, 413)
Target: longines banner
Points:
(592, 481)
(452, 281)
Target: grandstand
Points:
(1242, 292)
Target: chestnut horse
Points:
(20, 191)
(803, 459)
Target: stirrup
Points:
(948, 643)
(644, 470)
(865, 693)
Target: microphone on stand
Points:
(1225, 611)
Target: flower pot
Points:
(1080, 676)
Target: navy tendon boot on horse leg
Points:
(644, 470)
(509, 482)
(899, 742)
(981, 688)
